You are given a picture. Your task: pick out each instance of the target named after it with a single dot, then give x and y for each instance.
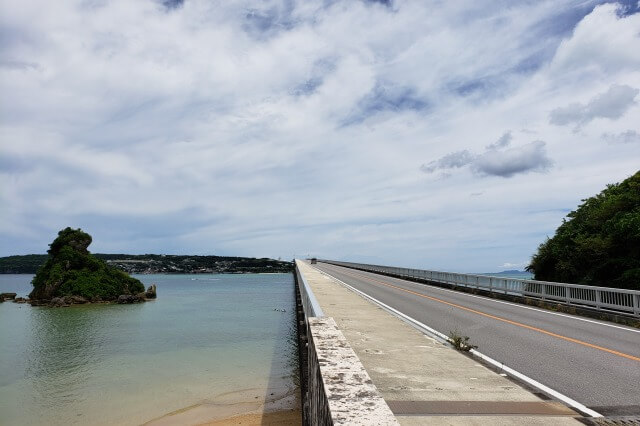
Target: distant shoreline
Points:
(145, 264)
(175, 273)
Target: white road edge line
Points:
(423, 327)
(544, 311)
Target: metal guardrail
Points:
(309, 303)
(600, 298)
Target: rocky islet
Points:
(73, 276)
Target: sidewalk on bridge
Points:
(422, 380)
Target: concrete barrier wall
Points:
(335, 387)
(316, 404)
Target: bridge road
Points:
(593, 362)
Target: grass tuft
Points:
(460, 342)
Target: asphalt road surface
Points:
(593, 362)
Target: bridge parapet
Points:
(310, 305)
(336, 388)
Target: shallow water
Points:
(204, 336)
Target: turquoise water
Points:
(205, 335)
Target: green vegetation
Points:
(157, 263)
(460, 342)
(70, 270)
(599, 243)
(26, 264)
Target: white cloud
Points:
(517, 265)
(503, 142)
(602, 44)
(628, 136)
(611, 104)
(454, 160)
(295, 127)
(506, 163)
(531, 157)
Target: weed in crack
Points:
(460, 342)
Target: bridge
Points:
(376, 349)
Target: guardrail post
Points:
(544, 291)
(598, 299)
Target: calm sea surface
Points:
(205, 336)
(521, 275)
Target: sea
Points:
(521, 275)
(207, 341)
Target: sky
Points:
(445, 135)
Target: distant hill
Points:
(157, 264)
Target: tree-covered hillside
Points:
(25, 264)
(598, 243)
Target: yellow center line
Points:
(519, 324)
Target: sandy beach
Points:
(276, 406)
(292, 417)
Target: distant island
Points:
(158, 264)
(511, 273)
(597, 244)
